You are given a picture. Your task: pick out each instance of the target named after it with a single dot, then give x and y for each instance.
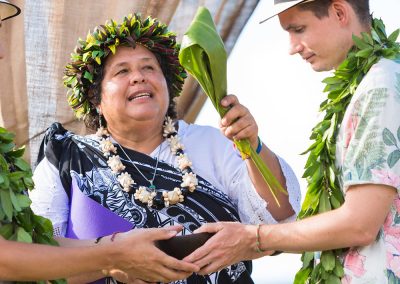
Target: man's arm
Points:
(356, 223)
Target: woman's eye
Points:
(148, 67)
(122, 71)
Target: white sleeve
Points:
(215, 159)
(49, 198)
(252, 208)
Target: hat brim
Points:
(8, 10)
(281, 7)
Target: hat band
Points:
(285, 1)
(282, 1)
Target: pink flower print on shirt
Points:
(397, 204)
(394, 264)
(387, 177)
(392, 235)
(393, 242)
(349, 129)
(354, 262)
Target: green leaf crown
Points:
(81, 72)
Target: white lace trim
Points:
(49, 198)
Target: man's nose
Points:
(295, 46)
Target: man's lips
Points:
(308, 57)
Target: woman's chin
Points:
(143, 116)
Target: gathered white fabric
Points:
(214, 158)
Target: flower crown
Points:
(80, 73)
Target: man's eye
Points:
(148, 67)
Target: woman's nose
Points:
(137, 77)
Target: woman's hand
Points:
(139, 258)
(231, 243)
(238, 123)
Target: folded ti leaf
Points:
(203, 55)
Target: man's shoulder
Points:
(383, 72)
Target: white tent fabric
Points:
(39, 42)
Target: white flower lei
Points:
(144, 194)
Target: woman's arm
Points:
(28, 262)
(285, 209)
(123, 256)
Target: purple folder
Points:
(89, 220)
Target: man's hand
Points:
(231, 243)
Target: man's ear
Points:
(341, 10)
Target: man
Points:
(119, 255)
(366, 134)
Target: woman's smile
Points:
(134, 87)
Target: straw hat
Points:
(8, 10)
(278, 6)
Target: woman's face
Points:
(134, 88)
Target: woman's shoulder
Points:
(56, 141)
(188, 129)
(203, 136)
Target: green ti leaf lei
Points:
(323, 191)
(17, 221)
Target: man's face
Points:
(324, 43)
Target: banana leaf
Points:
(204, 56)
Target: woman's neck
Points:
(143, 139)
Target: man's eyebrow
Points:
(291, 27)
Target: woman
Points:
(142, 169)
(21, 261)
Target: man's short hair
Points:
(320, 9)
